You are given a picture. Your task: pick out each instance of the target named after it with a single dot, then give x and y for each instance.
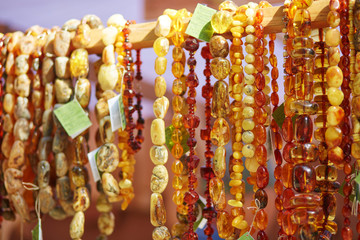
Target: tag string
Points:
(32, 187)
(257, 207)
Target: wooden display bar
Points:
(142, 35)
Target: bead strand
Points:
(158, 152)
(191, 121)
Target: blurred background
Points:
(134, 223)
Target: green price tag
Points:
(246, 236)
(37, 231)
(73, 118)
(200, 26)
(169, 143)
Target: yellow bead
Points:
(220, 103)
(161, 46)
(220, 133)
(335, 96)
(332, 37)
(220, 68)
(248, 150)
(219, 162)
(160, 65)
(221, 21)
(79, 63)
(177, 69)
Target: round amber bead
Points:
(221, 21)
(161, 46)
(79, 63)
(220, 68)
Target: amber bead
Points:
(262, 177)
(219, 46)
(288, 226)
(79, 63)
(220, 102)
(305, 216)
(157, 212)
(223, 224)
(304, 178)
(219, 162)
(303, 128)
(303, 153)
(217, 193)
(304, 107)
(221, 21)
(333, 136)
(261, 219)
(302, 23)
(287, 175)
(220, 68)
(262, 197)
(220, 133)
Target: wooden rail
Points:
(142, 35)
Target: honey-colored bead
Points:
(326, 173)
(221, 21)
(335, 114)
(79, 63)
(110, 185)
(220, 107)
(160, 107)
(335, 96)
(157, 132)
(224, 224)
(106, 223)
(161, 233)
(333, 136)
(220, 133)
(108, 76)
(334, 76)
(160, 65)
(220, 68)
(160, 86)
(219, 162)
(17, 155)
(157, 210)
(248, 150)
(217, 193)
(161, 46)
(163, 26)
(302, 23)
(219, 46)
(334, 56)
(332, 37)
(177, 69)
(302, 3)
(333, 18)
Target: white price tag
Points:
(93, 166)
(115, 115)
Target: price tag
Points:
(73, 118)
(37, 231)
(115, 116)
(200, 26)
(93, 166)
(122, 113)
(246, 236)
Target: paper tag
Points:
(93, 166)
(115, 116)
(200, 26)
(246, 236)
(37, 231)
(73, 118)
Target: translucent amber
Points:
(303, 128)
(302, 4)
(219, 46)
(304, 216)
(160, 65)
(221, 21)
(79, 63)
(161, 46)
(217, 193)
(302, 23)
(220, 133)
(177, 69)
(157, 210)
(305, 200)
(261, 220)
(178, 54)
(288, 226)
(219, 162)
(302, 153)
(304, 178)
(220, 68)
(223, 224)
(220, 103)
(326, 173)
(304, 107)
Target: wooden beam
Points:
(142, 35)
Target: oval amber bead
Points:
(223, 223)
(221, 21)
(79, 63)
(302, 23)
(262, 177)
(219, 46)
(333, 137)
(161, 46)
(220, 68)
(288, 226)
(220, 133)
(160, 65)
(217, 193)
(220, 103)
(286, 175)
(219, 162)
(303, 128)
(261, 219)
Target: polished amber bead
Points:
(326, 173)
(220, 133)
(335, 96)
(332, 37)
(160, 65)
(219, 162)
(261, 220)
(303, 153)
(221, 21)
(217, 193)
(178, 54)
(224, 225)
(333, 136)
(304, 107)
(157, 210)
(335, 114)
(302, 3)
(79, 63)
(302, 23)
(288, 226)
(220, 103)
(305, 216)
(336, 156)
(304, 178)
(177, 103)
(305, 200)
(287, 172)
(303, 128)
(220, 68)
(161, 46)
(177, 69)
(262, 177)
(334, 76)
(219, 46)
